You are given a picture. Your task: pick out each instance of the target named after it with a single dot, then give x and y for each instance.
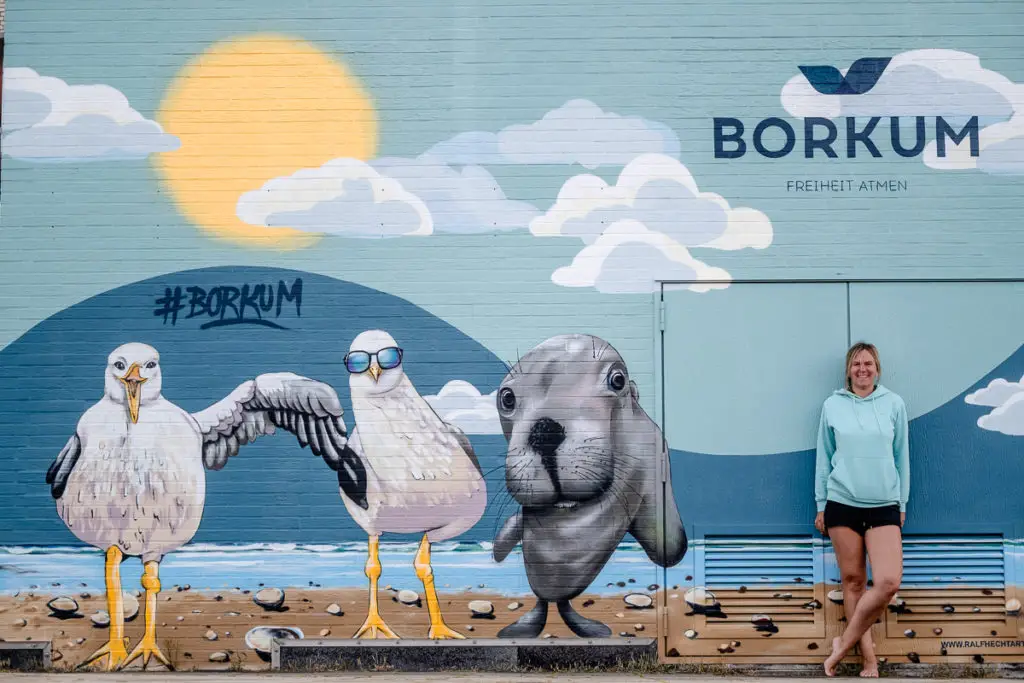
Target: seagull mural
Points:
(131, 480)
(422, 475)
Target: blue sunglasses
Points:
(359, 361)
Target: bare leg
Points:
(147, 647)
(116, 642)
(374, 625)
(885, 551)
(849, 549)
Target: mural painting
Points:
(552, 307)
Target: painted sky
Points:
(467, 104)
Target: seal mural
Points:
(584, 462)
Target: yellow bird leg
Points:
(374, 626)
(116, 645)
(147, 647)
(425, 573)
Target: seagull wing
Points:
(463, 440)
(305, 407)
(60, 470)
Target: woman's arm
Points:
(901, 452)
(823, 460)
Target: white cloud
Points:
(343, 197)
(45, 119)
(930, 83)
(461, 404)
(627, 258)
(1007, 418)
(995, 394)
(1007, 399)
(466, 200)
(578, 132)
(660, 193)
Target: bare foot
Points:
(833, 659)
(870, 668)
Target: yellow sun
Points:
(251, 109)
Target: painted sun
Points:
(248, 110)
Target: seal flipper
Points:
(580, 625)
(530, 624)
(511, 532)
(665, 541)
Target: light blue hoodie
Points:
(863, 450)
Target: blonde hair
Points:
(854, 350)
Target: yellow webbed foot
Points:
(147, 649)
(441, 631)
(117, 651)
(374, 627)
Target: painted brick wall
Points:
(474, 180)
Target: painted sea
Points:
(464, 566)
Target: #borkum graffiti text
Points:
(223, 305)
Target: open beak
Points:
(133, 382)
(375, 371)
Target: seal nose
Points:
(546, 436)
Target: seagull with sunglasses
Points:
(422, 475)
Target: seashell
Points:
(836, 596)
(638, 600)
(638, 627)
(481, 608)
(975, 609)
(653, 587)
(210, 635)
(813, 604)
(130, 605)
(948, 609)
(937, 631)
(1013, 606)
(699, 597)
(690, 633)
(513, 606)
(63, 607)
(724, 647)
(269, 598)
(408, 597)
(760, 619)
(100, 619)
(909, 633)
(219, 657)
(262, 638)
(20, 623)
(334, 609)
(324, 632)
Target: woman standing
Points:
(862, 482)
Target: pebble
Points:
(620, 615)
(481, 608)
(653, 587)
(638, 600)
(20, 623)
(180, 618)
(909, 633)
(219, 657)
(63, 607)
(100, 619)
(168, 598)
(937, 631)
(975, 609)
(324, 632)
(470, 627)
(691, 634)
(1012, 606)
(269, 598)
(79, 641)
(836, 596)
(638, 627)
(514, 606)
(85, 596)
(408, 597)
(588, 603)
(211, 635)
(334, 609)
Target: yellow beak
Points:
(375, 371)
(133, 382)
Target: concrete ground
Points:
(382, 677)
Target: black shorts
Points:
(860, 519)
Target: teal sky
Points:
(436, 70)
